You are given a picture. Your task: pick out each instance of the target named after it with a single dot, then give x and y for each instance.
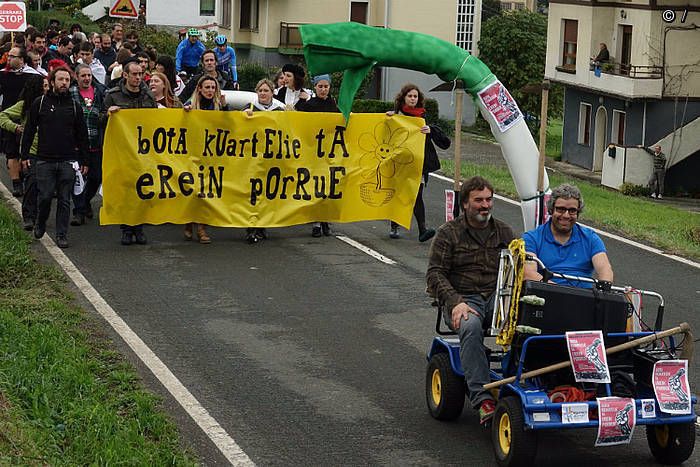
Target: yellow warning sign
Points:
(123, 9)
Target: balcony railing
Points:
(632, 71)
(289, 35)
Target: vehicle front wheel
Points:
(444, 390)
(513, 445)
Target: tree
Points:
(489, 9)
(513, 45)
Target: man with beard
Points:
(129, 93)
(62, 141)
(106, 54)
(563, 245)
(462, 273)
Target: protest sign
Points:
(270, 170)
(671, 386)
(587, 355)
(617, 418)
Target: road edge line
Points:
(214, 431)
(365, 249)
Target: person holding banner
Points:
(130, 93)
(321, 102)
(160, 87)
(293, 89)
(62, 149)
(207, 96)
(264, 103)
(409, 101)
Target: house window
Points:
(358, 12)
(465, 25)
(569, 50)
(584, 124)
(226, 14)
(249, 14)
(207, 7)
(618, 127)
(519, 6)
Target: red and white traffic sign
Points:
(123, 9)
(13, 16)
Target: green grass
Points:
(65, 397)
(554, 131)
(665, 227)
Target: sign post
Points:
(13, 16)
(123, 9)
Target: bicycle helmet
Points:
(220, 40)
(193, 32)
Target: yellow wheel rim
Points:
(436, 387)
(662, 435)
(504, 434)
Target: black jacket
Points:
(61, 126)
(316, 104)
(431, 162)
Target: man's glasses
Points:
(562, 210)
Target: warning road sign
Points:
(123, 9)
(13, 16)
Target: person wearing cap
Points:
(189, 52)
(293, 89)
(322, 101)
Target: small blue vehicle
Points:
(528, 403)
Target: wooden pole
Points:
(543, 134)
(458, 141)
(682, 328)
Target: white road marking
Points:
(221, 439)
(365, 249)
(641, 246)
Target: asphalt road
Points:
(310, 352)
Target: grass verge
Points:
(670, 229)
(65, 397)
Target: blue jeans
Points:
(58, 177)
(475, 362)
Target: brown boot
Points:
(188, 231)
(202, 234)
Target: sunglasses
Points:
(562, 210)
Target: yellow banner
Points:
(270, 170)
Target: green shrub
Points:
(337, 79)
(630, 189)
(371, 106)
(40, 20)
(249, 73)
(164, 42)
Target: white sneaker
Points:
(653, 195)
(659, 196)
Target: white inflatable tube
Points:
(239, 100)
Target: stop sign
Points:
(13, 16)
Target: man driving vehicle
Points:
(462, 273)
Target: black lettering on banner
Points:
(201, 193)
(319, 151)
(273, 174)
(181, 142)
(208, 139)
(231, 148)
(242, 143)
(144, 144)
(184, 180)
(144, 181)
(269, 132)
(296, 145)
(164, 173)
(285, 180)
(221, 141)
(254, 140)
(334, 182)
(160, 140)
(216, 183)
(320, 191)
(256, 189)
(303, 177)
(338, 140)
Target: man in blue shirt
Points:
(563, 245)
(189, 52)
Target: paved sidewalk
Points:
(479, 150)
